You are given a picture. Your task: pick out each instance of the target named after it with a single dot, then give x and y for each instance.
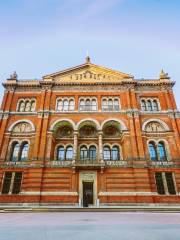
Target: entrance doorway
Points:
(87, 194)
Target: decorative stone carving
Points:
(22, 128)
(154, 127)
(65, 131)
(88, 131)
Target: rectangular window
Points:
(17, 183)
(170, 183)
(159, 183)
(165, 183)
(6, 183)
(12, 183)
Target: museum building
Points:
(89, 136)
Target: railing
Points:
(88, 108)
(88, 163)
(115, 163)
(161, 163)
(62, 163)
(110, 108)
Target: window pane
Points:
(94, 105)
(159, 183)
(155, 105)
(60, 153)
(143, 105)
(17, 183)
(15, 152)
(32, 106)
(116, 104)
(84, 153)
(28, 106)
(92, 153)
(71, 105)
(65, 105)
(149, 105)
(162, 152)
(24, 153)
(107, 153)
(21, 106)
(115, 153)
(59, 105)
(152, 152)
(88, 105)
(104, 105)
(82, 104)
(6, 182)
(69, 153)
(170, 183)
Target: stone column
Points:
(75, 146)
(100, 155)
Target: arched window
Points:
(115, 153)
(149, 105)
(152, 151)
(59, 105)
(104, 105)
(107, 153)
(21, 106)
(60, 153)
(155, 105)
(15, 152)
(24, 152)
(84, 153)
(82, 105)
(94, 105)
(28, 106)
(69, 153)
(88, 105)
(65, 105)
(116, 104)
(92, 153)
(162, 151)
(110, 104)
(71, 105)
(143, 105)
(32, 105)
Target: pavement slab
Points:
(90, 226)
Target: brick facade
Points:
(130, 178)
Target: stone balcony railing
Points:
(94, 163)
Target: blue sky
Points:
(140, 37)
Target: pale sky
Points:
(140, 37)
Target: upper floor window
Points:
(26, 105)
(65, 104)
(19, 152)
(158, 151)
(88, 104)
(64, 153)
(111, 153)
(88, 153)
(150, 104)
(110, 104)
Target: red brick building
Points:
(89, 135)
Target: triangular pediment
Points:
(88, 73)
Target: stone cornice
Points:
(49, 84)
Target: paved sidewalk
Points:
(90, 226)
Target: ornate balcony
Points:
(161, 163)
(88, 163)
(116, 163)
